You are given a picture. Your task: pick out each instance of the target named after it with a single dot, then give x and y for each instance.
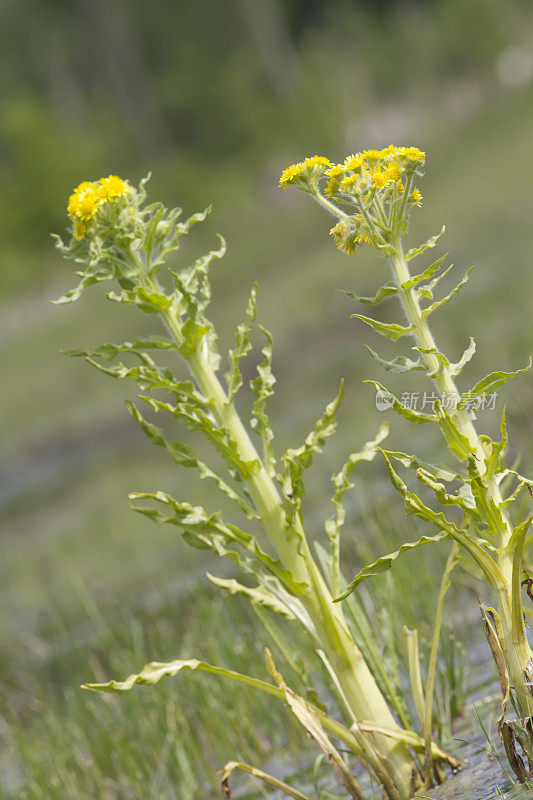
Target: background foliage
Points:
(215, 99)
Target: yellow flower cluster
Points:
(375, 168)
(87, 198)
(303, 169)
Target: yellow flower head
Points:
(413, 154)
(290, 175)
(112, 187)
(393, 171)
(416, 197)
(373, 155)
(380, 179)
(88, 196)
(316, 161)
(391, 150)
(349, 181)
(84, 201)
(353, 162)
(335, 171)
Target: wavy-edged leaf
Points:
(156, 670)
(398, 364)
(494, 451)
(258, 595)
(383, 293)
(457, 367)
(441, 358)
(87, 279)
(425, 292)
(185, 455)
(490, 383)
(431, 242)
(388, 329)
(242, 346)
(445, 498)
(342, 483)
(137, 346)
(384, 563)
(438, 303)
(270, 780)
(400, 408)
(148, 375)
(262, 390)
(208, 532)
(414, 505)
(197, 416)
(485, 503)
(439, 471)
(426, 274)
(457, 442)
(296, 460)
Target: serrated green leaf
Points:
(489, 384)
(494, 451)
(152, 673)
(295, 461)
(258, 595)
(438, 303)
(456, 368)
(208, 531)
(441, 358)
(425, 292)
(147, 375)
(431, 242)
(389, 330)
(185, 455)
(398, 364)
(457, 442)
(341, 482)
(414, 505)
(242, 347)
(194, 411)
(137, 346)
(88, 279)
(400, 408)
(384, 292)
(262, 390)
(446, 499)
(384, 563)
(439, 471)
(487, 507)
(426, 274)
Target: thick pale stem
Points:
(359, 686)
(358, 683)
(518, 652)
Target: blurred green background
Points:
(215, 99)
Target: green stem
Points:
(360, 688)
(516, 647)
